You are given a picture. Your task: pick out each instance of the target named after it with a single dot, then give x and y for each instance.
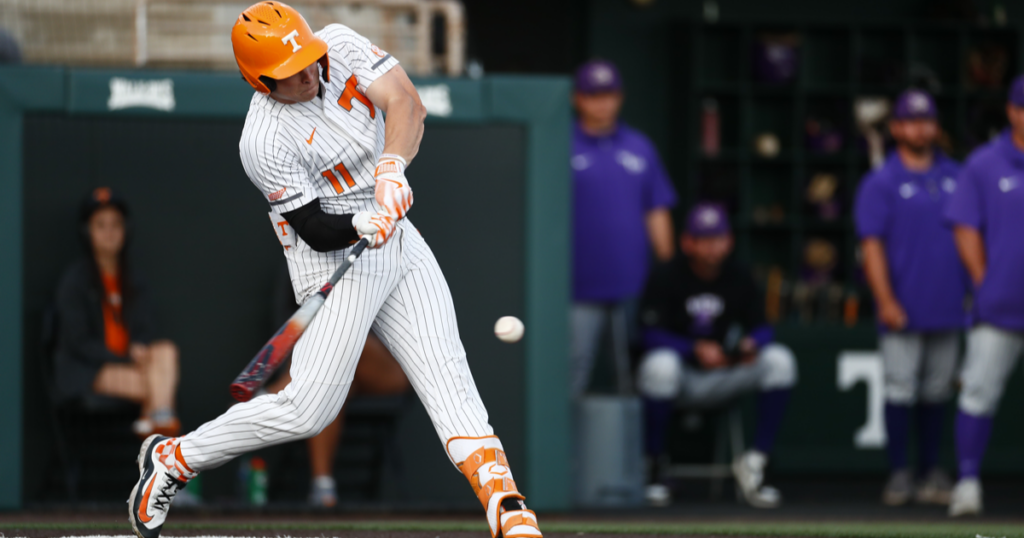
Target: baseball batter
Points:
(316, 145)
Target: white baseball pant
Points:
(399, 291)
(991, 356)
(919, 366)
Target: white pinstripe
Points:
(397, 290)
(277, 157)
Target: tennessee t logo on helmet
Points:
(290, 38)
(257, 39)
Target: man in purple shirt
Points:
(987, 214)
(620, 214)
(911, 264)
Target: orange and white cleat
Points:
(162, 474)
(488, 472)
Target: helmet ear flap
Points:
(256, 82)
(269, 83)
(326, 65)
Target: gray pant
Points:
(919, 366)
(588, 323)
(663, 374)
(991, 356)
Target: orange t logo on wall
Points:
(351, 93)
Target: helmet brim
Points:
(310, 54)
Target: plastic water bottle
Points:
(257, 481)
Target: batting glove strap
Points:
(376, 228)
(393, 157)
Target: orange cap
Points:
(271, 39)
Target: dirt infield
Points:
(125, 532)
(597, 525)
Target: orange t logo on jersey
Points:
(351, 93)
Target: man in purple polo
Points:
(987, 214)
(620, 214)
(911, 265)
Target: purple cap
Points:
(707, 219)
(598, 76)
(1016, 96)
(915, 104)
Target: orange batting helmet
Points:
(271, 40)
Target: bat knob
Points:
(240, 392)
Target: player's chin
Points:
(307, 95)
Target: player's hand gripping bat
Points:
(276, 350)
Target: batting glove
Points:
(376, 228)
(392, 190)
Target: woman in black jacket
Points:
(105, 342)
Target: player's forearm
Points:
(659, 230)
(972, 251)
(876, 269)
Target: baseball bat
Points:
(276, 350)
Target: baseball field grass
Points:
(554, 529)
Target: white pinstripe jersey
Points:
(326, 148)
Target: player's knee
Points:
(936, 392)
(164, 347)
(780, 367)
(314, 427)
(980, 400)
(660, 374)
(309, 422)
(900, 390)
(308, 408)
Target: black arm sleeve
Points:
(321, 231)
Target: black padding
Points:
(321, 231)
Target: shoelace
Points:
(166, 493)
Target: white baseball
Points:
(509, 329)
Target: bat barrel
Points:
(275, 351)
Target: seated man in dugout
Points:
(708, 344)
(106, 342)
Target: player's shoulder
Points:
(337, 34)
(736, 272)
(984, 154)
(947, 165)
(876, 180)
(263, 119)
(666, 274)
(635, 136)
(264, 135)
